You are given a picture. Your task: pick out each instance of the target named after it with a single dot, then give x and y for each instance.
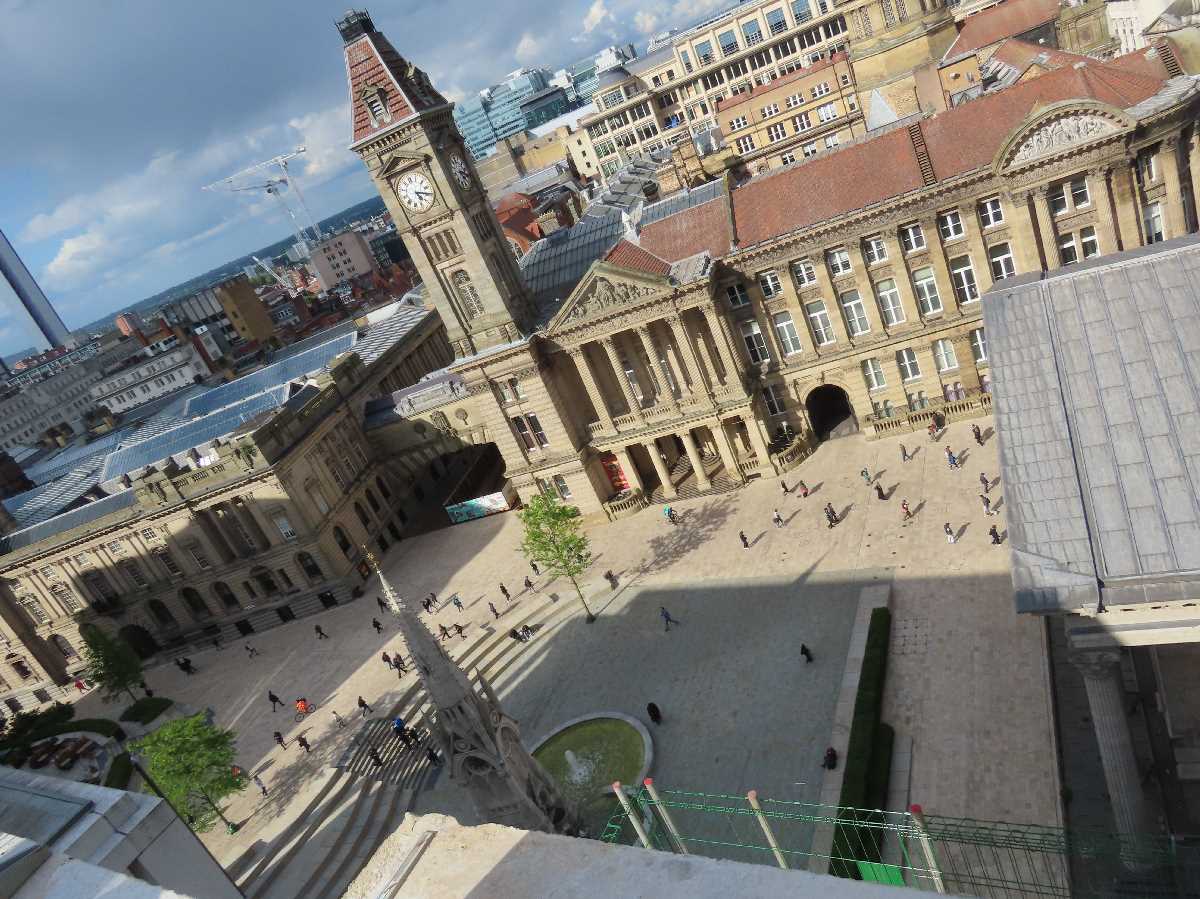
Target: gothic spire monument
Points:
(481, 744)
(405, 133)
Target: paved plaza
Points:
(966, 679)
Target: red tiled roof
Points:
(695, 230)
(1022, 54)
(1009, 19)
(962, 139)
(631, 256)
(521, 225)
(1146, 61)
(726, 102)
(371, 61)
(514, 201)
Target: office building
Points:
(543, 106)
(240, 304)
(495, 112)
(342, 258)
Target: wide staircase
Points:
(355, 803)
(686, 485)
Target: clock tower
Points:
(404, 132)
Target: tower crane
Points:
(275, 186)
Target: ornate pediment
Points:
(1057, 130)
(603, 292)
(398, 161)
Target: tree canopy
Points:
(111, 663)
(555, 540)
(192, 763)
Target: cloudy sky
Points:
(116, 114)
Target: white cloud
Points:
(326, 135)
(596, 15)
(529, 49)
(645, 22)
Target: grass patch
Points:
(146, 709)
(119, 772)
(604, 750)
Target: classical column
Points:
(579, 357)
(1106, 229)
(1025, 233)
(1045, 223)
(1101, 671)
(660, 466)
(1129, 205)
(725, 448)
(721, 341)
(687, 354)
(1176, 219)
(664, 376)
(832, 307)
(614, 360)
(937, 261)
(759, 442)
(979, 257)
(689, 444)
(629, 469)
(902, 277)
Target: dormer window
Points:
(377, 107)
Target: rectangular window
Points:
(772, 400)
(1057, 198)
(873, 374)
(883, 409)
(979, 345)
(729, 44)
(889, 302)
(199, 558)
(745, 144)
(855, 313)
(777, 132)
(943, 355)
(1146, 172)
(804, 273)
(687, 60)
(786, 334)
(801, 11)
(1067, 251)
(560, 484)
(912, 238)
(756, 347)
(1088, 242)
(802, 123)
(787, 158)
(909, 368)
(874, 251)
(818, 320)
(1002, 261)
(991, 213)
(168, 562)
(1152, 221)
(752, 33)
(536, 427)
(1079, 193)
(839, 261)
(962, 275)
(736, 293)
(809, 150)
(776, 21)
(704, 52)
(917, 400)
(950, 225)
(820, 90)
(522, 429)
(285, 527)
(827, 112)
(736, 124)
(925, 288)
(769, 110)
(769, 282)
(134, 571)
(794, 100)
(148, 534)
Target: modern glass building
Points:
(495, 113)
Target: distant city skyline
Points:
(102, 181)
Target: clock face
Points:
(462, 174)
(415, 191)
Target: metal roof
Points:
(556, 263)
(683, 200)
(65, 522)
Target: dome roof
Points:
(612, 76)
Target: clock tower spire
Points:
(405, 133)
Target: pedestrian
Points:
(742, 537)
(274, 700)
(987, 505)
(362, 704)
(279, 739)
(995, 535)
(387, 659)
(495, 614)
(398, 661)
(374, 757)
(516, 635)
(529, 586)
(338, 719)
(879, 491)
(186, 664)
(978, 434)
(933, 429)
(149, 692)
(666, 617)
(831, 515)
(903, 453)
(445, 633)
(259, 783)
(803, 487)
(80, 686)
(985, 481)
(251, 652)
(458, 629)
(432, 756)
(778, 519)
(398, 725)
(303, 743)
(951, 459)
(905, 509)
(375, 624)
(611, 578)
(432, 600)
(806, 652)
(526, 632)
(382, 605)
(427, 605)
(537, 572)
(866, 476)
(504, 593)
(457, 600)
(653, 711)
(783, 484)
(321, 635)
(949, 532)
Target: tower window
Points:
(467, 294)
(377, 107)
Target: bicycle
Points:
(311, 707)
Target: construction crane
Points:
(292, 291)
(275, 186)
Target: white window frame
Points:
(979, 345)
(284, 525)
(873, 374)
(561, 487)
(912, 238)
(771, 109)
(1001, 261)
(838, 260)
(1152, 222)
(891, 309)
(804, 272)
(925, 289)
(738, 123)
(906, 361)
(737, 295)
(1067, 247)
(772, 400)
(755, 342)
(944, 356)
(827, 112)
(950, 225)
(801, 122)
(746, 144)
(854, 311)
(786, 333)
(966, 289)
(819, 323)
(991, 212)
(1089, 242)
(874, 250)
(787, 158)
(768, 282)
(777, 132)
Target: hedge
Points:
(861, 751)
(24, 723)
(119, 772)
(146, 709)
(86, 725)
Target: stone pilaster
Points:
(664, 476)
(1176, 219)
(1128, 201)
(721, 340)
(664, 376)
(689, 444)
(979, 257)
(1024, 229)
(1106, 229)
(692, 372)
(614, 359)
(579, 357)
(1045, 223)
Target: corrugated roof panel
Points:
(681, 201)
(73, 519)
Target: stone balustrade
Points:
(625, 504)
(905, 419)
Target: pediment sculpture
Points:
(605, 294)
(1050, 137)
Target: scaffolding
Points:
(933, 853)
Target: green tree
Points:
(192, 763)
(111, 663)
(554, 539)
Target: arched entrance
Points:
(139, 640)
(830, 412)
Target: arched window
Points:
(383, 488)
(372, 501)
(65, 597)
(34, 609)
(225, 595)
(309, 566)
(467, 294)
(362, 515)
(195, 604)
(63, 645)
(162, 615)
(101, 589)
(340, 536)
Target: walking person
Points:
(879, 491)
(303, 743)
(321, 635)
(904, 457)
(504, 593)
(274, 700)
(495, 614)
(445, 633)
(338, 719)
(251, 652)
(427, 605)
(382, 605)
(526, 632)
(949, 532)
(186, 664)
(977, 434)
(987, 505)
(387, 659)
(431, 754)
(742, 537)
(259, 783)
(458, 629)
(905, 509)
(995, 535)
(778, 519)
(375, 624)
(529, 587)
(985, 481)
(374, 757)
(457, 600)
(398, 662)
(803, 488)
(807, 653)
(363, 707)
(516, 635)
(866, 476)
(80, 685)
(831, 515)
(653, 711)
(279, 739)
(432, 600)
(666, 617)
(537, 572)
(783, 484)
(951, 459)
(933, 430)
